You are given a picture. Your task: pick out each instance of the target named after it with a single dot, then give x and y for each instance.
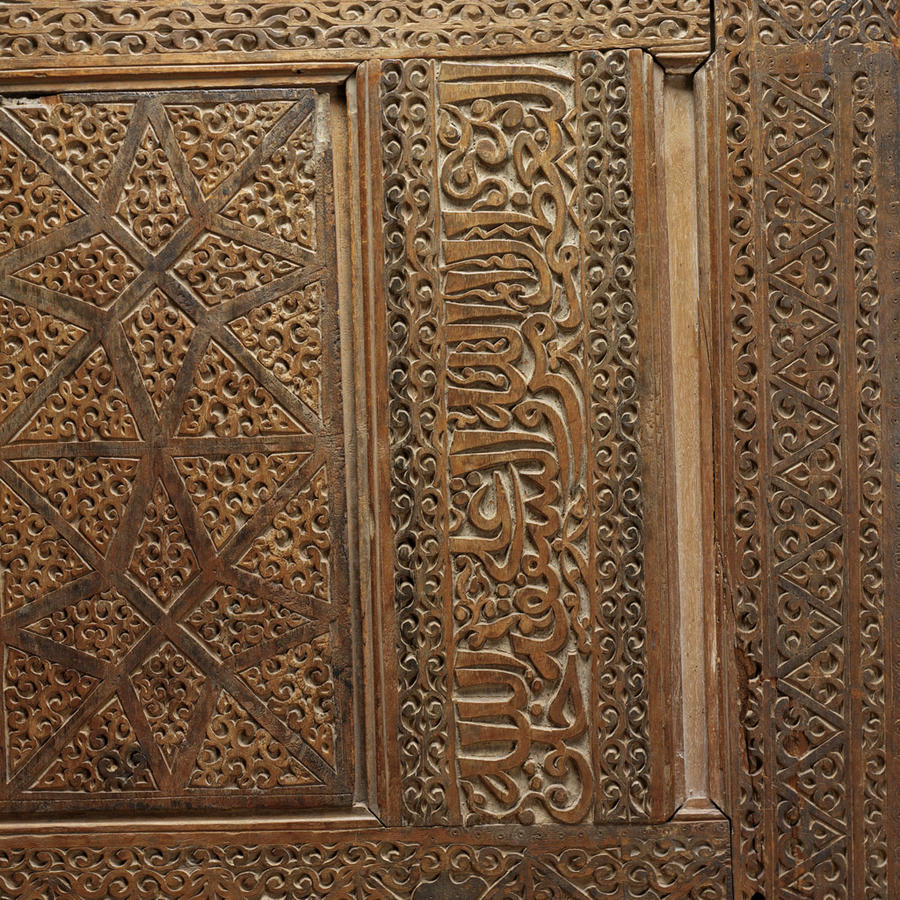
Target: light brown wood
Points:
(432, 443)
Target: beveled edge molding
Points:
(43, 36)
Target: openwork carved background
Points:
(174, 597)
(811, 369)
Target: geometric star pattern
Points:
(169, 411)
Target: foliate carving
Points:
(285, 336)
(31, 204)
(227, 492)
(32, 344)
(514, 428)
(298, 687)
(38, 697)
(159, 334)
(94, 270)
(151, 204)
(240, 754)
(163, 560)
(418, 516)
(91, 494)
(88, 405)
(83, 137)
(281, 200)
(36, 559)
(174, 608)
(293, 551)
(218, 269)
(669, 861)
(231, 621)
(216, 138)
(343, 28)
(611, 304)
(104, 625)
(104, 756)
(226, 400)
(168, 687)
(785, 22)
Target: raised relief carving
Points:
(806, 531)
(516, 462)
(175, 609)
(668, 861)
(320, 29)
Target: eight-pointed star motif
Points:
(168, 586)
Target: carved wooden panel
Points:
(175, 609)
(808, 105)
(675, 861)
(523, 356)
(44, 33)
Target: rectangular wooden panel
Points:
(529, 493)
(810, 108)
(175, 616)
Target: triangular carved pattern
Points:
(39, 696)
(85, 138)
(238, 753)
(104, 756)
(94, 270)
(32, 344)
(89, 493)
(32, 205)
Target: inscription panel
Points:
(175, 610)
(522, 353)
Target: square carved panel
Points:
(175, 602)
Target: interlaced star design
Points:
(171, 603)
